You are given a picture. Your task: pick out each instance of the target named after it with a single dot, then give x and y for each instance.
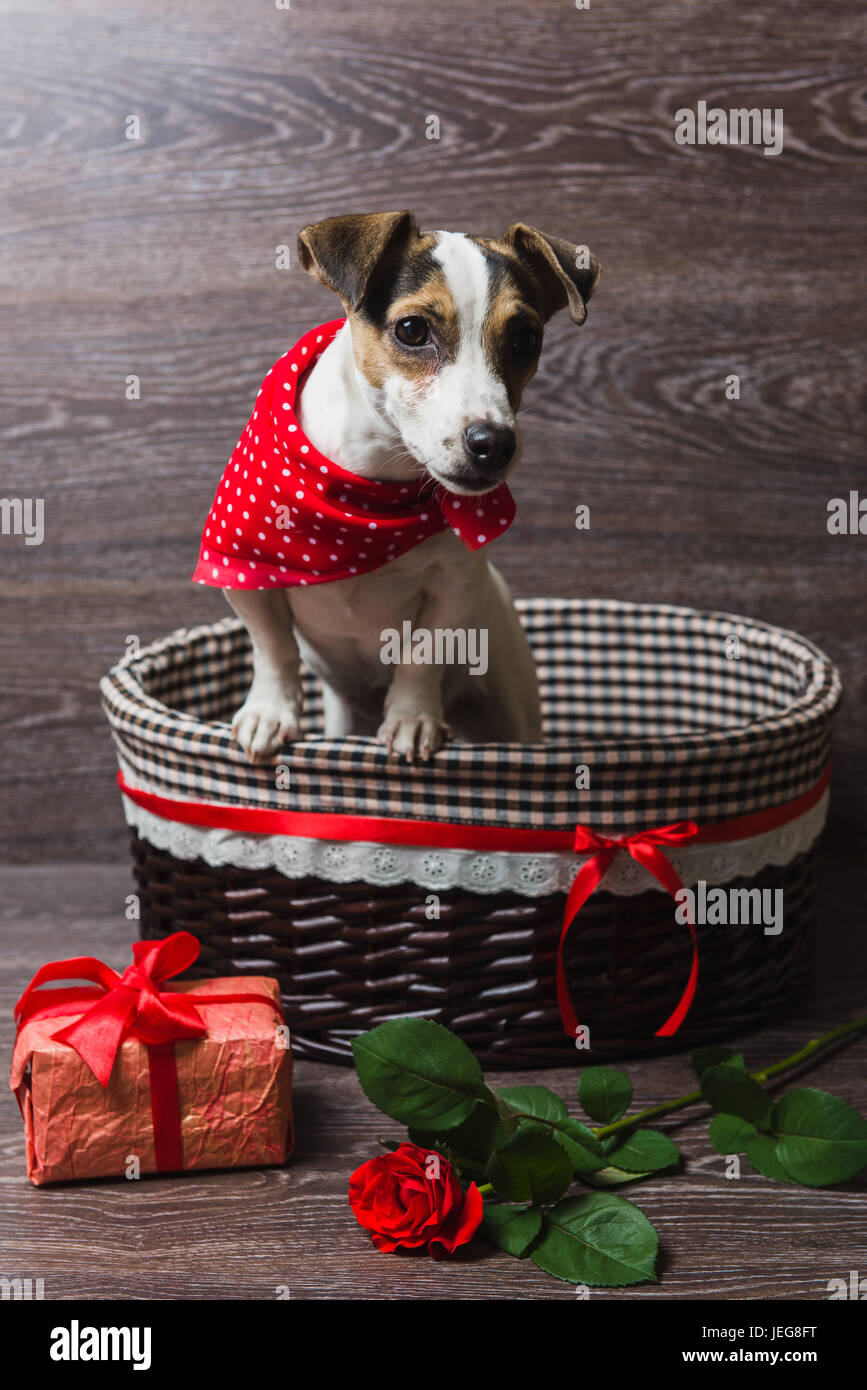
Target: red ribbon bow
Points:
(644, 846)
(132, 1005)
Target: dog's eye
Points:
(414, 332)
(525, 343)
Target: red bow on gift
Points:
(125, 1004)
(644, 848)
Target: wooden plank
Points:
(238, 1235)
(156, 257)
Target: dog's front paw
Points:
(412, 735)
(264, 723)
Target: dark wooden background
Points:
(156, 258)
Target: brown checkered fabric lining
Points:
(669, 726)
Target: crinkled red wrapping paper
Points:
(234, 1088)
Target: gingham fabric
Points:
(669, 726)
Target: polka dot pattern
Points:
(323, 498)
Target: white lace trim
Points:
(532, 875)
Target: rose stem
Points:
(667, 1107)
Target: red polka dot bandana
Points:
(284, 514)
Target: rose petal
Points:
(466, 1223)
(394, 1199)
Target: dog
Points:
(415, 393)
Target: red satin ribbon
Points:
(394, 830)
(645, 849)
(133, 1005)
(165, 1108)
(644, 846)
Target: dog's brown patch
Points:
(514, 303)
(509, 313)
(421, 292)
(372, 351)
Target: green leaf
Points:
(645, 1151)
(705, 1057)
(531, 1167)
(821, 1139)
(734, 1092)
(599, 1239)
(762, 1153)
(418, 1072)
(584, 1149)
(612, 1177)
(512, 1229)
(730, 1135)
(507, 1114)
(470, 1143)
(604, 1093)
(535, 1100)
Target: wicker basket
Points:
(373, 890)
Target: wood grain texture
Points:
(238, 1235)
(156, 257)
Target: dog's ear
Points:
(345, 253)
(567, 275)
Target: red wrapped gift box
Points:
(176, 1076)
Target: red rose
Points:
(412, 1198)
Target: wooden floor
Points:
(155, 258)
(241, 1234)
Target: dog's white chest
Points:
(339, 624)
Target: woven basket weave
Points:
(650, 699)
(348, 956)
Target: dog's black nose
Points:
(489, 446)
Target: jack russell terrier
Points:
(371, 476)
